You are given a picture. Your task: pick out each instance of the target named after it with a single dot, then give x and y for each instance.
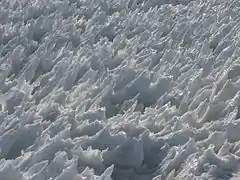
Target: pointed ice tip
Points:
(159, 177)
(107, 173)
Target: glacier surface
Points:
(119, 89)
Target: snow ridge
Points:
(119, 89)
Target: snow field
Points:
(119, 89)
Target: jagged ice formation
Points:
(119, 89)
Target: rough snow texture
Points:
(119, 89)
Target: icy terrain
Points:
(119, 89)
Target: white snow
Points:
(119, 89)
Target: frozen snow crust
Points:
(119, 89)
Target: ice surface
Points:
(119, 89)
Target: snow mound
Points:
(119, 89)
